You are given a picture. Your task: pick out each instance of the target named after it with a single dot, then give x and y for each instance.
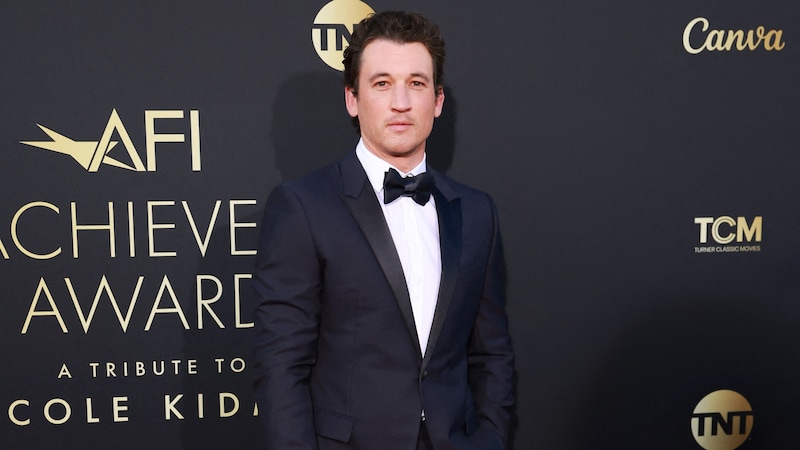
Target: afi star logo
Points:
(91, 154)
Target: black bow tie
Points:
(419, 187)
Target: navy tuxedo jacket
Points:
(338, 363)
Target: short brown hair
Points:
(396, 26)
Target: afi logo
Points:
(725, 229)
(91, 154)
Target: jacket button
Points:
(425, 374)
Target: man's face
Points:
(397, 100)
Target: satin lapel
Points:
(448, 209)
(366, 211)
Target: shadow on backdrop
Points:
(311, 127)
(441, 144)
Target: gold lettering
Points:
(773, 40)
(104, 287)
(49, 416)
(722, 40)
(715, 40)
(12, 413)
(89, 417)
(223, 412)
(131, 240)
(3, 250)
(715, 230)
(115, 123)
(152, 226)
(151, 138)
(110, 227)
(169, 407)
(744, 231)
(118, 408)
(15, 235)
(735, 37)
(703, 222)
(205, 304)
(235, 225)
(237, 299)
(202, 244)
(688, 31)
(53, 311)
(194, 128)
(752, 44)
(165, 285)
(64, 372)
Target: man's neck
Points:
(404, 163)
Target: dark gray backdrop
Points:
(600, 137)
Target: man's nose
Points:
(400, 99)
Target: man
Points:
(381, 322)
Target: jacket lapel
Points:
(448, 209)
(360, 199)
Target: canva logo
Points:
(333, 26)
(722, 420)
(92, 154)
(729, 40)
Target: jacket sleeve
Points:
(287, 280)
(490, 355)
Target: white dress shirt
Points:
(415, 231)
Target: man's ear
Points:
(351, 101)
(439, 101)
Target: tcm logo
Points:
(722, 420)
(92, 154)
(728, 40)
(726, 229)
(333, 26)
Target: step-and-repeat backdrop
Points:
(644, 158)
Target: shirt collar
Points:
(376, 168)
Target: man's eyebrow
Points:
(422, 75)
(377, 75)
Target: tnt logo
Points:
(92, 154)
(722, 420)
(333, 26)
(725, 229)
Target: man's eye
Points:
(381, 84)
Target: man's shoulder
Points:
(326, 181)
(320, 178)
(315, 177)
(452, 188)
